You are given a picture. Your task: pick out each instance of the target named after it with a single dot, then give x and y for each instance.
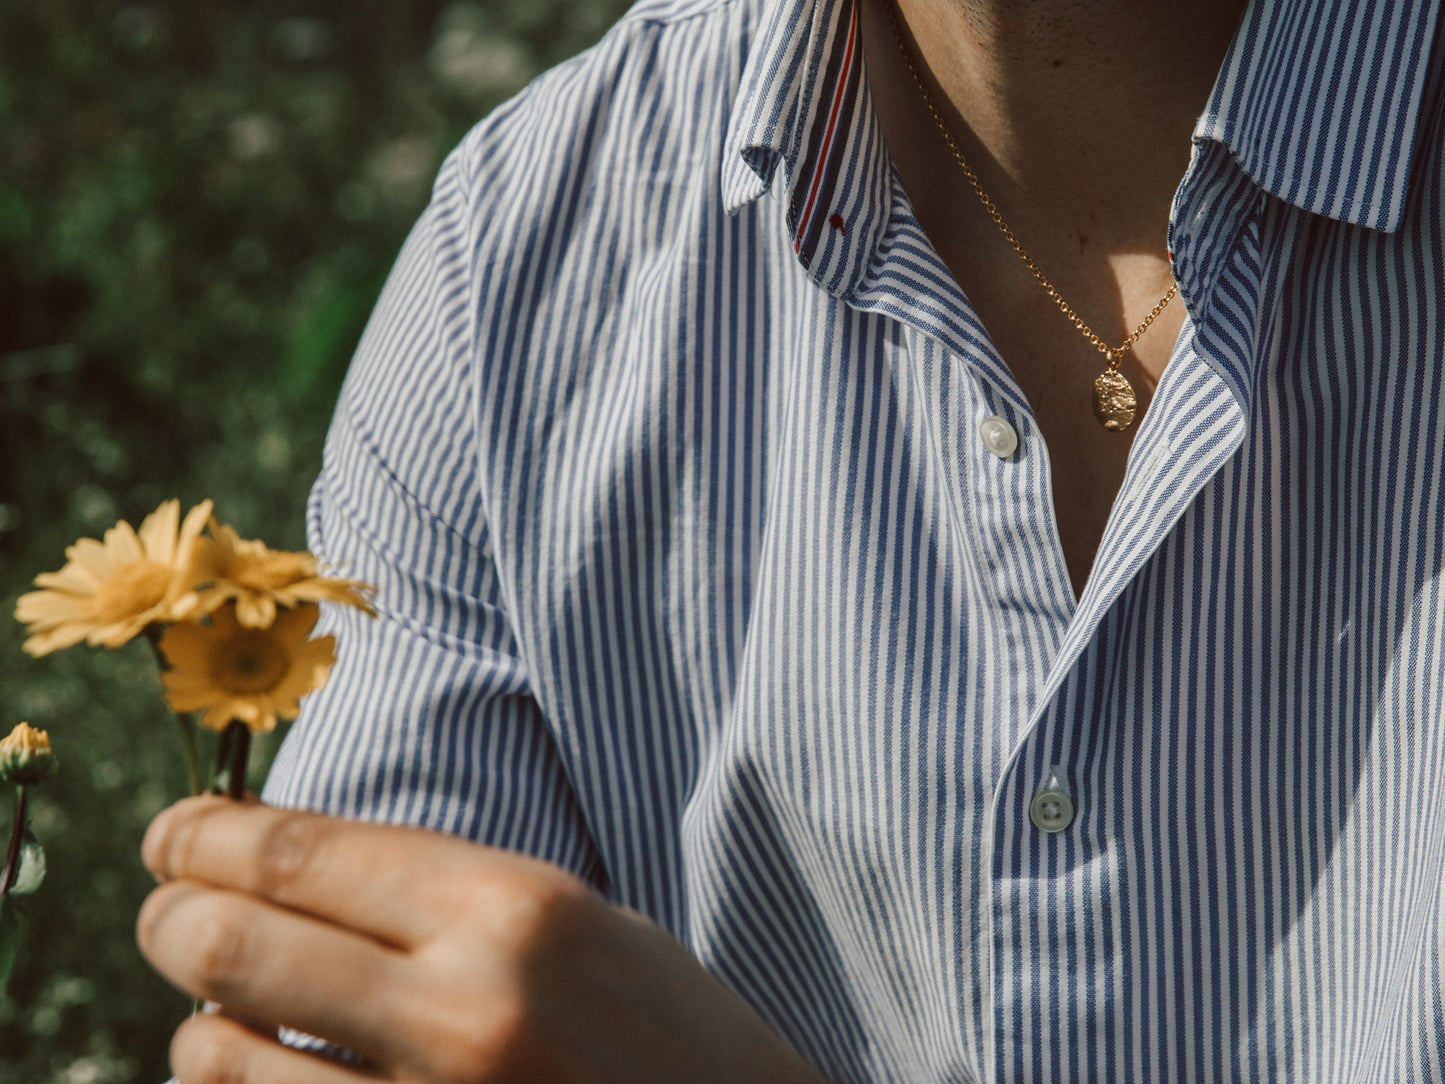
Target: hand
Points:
(438, 961)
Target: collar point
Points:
(747, 174)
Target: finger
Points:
(269, 964)
(214, 1050)
(363, 876)
(352, 874)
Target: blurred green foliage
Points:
(198, 205)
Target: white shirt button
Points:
(1052, 809)
(998, 436)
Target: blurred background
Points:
(198, 206)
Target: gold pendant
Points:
(1114, 402)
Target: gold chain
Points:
(1111, 416)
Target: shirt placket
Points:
(1051, 852)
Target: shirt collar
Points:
(1319, 102)
(803, 105)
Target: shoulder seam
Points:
(640, 17)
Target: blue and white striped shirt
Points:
(698, 579)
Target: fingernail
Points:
(152, 848)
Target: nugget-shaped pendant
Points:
(1114, 401)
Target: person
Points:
(818, 683)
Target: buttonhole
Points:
(1154, 462)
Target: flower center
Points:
(132, 591)
(250, 662)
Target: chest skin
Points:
(1056, 367)
(1111, 272)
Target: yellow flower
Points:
(258, 579)
(232, 672)
(25, 755)
(109, 591)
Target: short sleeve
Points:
(428, 718)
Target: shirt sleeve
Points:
(429, 717)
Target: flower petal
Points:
(185, 647)
(158, 532)
(320, 588)
(52, 607)
(187, 691)
(120, 633)
(190, 532)
(92, 556)
(255, 611)
(122, 546)
(219, 716)
(73, 577)
(320, 652)
(297, 621)
(44, 642)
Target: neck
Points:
(1075, 108)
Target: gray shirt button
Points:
(1052, 809)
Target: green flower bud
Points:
(25, 755)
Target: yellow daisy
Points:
(258, 578)
(255, 675)
(111, 590)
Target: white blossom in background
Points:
(472, 59)
(254, 135)
(400, 171)
(302, 40)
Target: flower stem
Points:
(12, 853)
(187, 728)
(233, 751)
(184, 723)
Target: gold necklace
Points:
(1114, 399)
